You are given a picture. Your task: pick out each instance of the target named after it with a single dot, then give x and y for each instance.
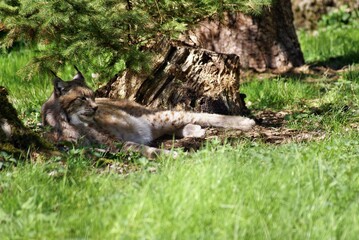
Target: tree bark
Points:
(184, 78)
(15, 138)
(268, 41)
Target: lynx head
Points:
(76, 99)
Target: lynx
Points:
(76, 115)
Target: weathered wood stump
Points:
(184, 78)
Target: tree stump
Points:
(183, 78)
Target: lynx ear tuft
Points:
(58, 83)
(59, 86)
(78, 76)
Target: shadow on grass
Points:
(339, 62)
(312, 71)
(324, 116)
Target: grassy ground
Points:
(250, 191)
(295, 191)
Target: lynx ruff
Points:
(75, 115)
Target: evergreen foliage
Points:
(105, 35)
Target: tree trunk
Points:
(268, 41)
(15, 138)
(184, 78)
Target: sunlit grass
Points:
(324, 46)
(26, 95)
(252, 191)
(279, 93)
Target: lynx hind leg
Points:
(236, 122)
(191, 130)
(223, 121)
(244, 123)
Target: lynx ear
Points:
(79, 77)
(59, 86)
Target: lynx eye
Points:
(83, 98)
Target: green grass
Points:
(26, 95)
(352, 75)
(247, 191)
(320, 105)
(334, 47)
(254, 191)
(279, 93)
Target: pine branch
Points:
(104, 33)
